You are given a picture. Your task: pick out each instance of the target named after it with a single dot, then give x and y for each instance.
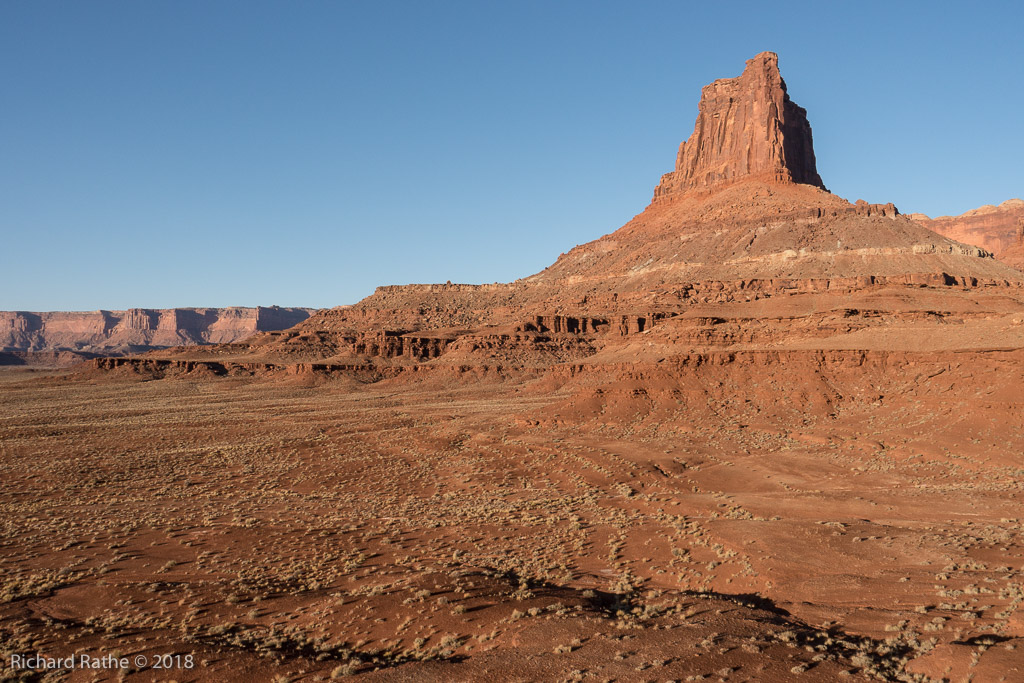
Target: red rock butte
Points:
(738, 237)
(747, 127)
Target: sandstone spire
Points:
(747, 127)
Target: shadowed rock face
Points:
(747, 127)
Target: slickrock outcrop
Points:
(746, 127)
(138, 329)
(999, 229)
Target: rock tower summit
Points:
(747, 127)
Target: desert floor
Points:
(290, 528)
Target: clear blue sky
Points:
(159, 154)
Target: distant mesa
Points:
(747, 127)
(104, 333)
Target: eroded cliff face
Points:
(138, 329)
(747, 127)
(999, 229)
